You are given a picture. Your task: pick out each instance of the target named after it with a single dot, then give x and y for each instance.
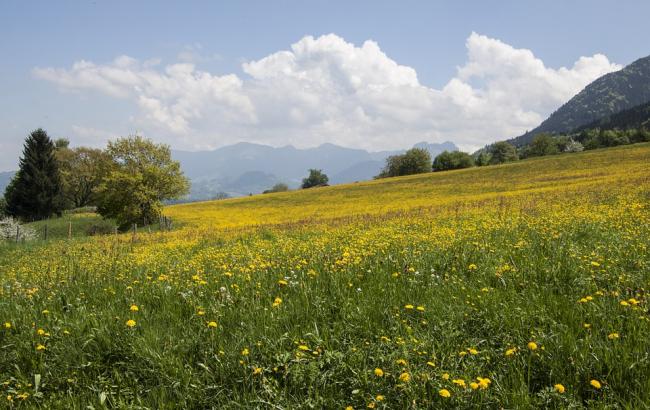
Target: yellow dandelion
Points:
(134, 308)
(379, 372)
(7, 325)
(532, 346)
(444, 393)
(40, 347)
(277, 302)
(595, 384)
(245, 352)
(559, 388)
(130, 323)
(212, 324)
(405, 377)
(459, 382)
(612, 336)
(473, 385)
(409, 307)
(511, 351)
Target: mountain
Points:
(245, 168)
(635, 117)
(609, 94)
(5, 178)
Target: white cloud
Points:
(328, 90)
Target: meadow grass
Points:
(482, 288)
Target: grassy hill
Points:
(515, 286)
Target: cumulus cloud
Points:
(326, 89)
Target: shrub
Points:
(452, 160)
(10, 228)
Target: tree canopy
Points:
(452, 160)
(316, 178)
(142, 175)
(413, 161)
(35, 192)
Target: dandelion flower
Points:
(379, 372)
(304, 348)
(405, 377)
(473, 385)
(559, 388)
(130, 323)
(459, 382)
(532, 346)
(511, 351)
(277, 302)
(612, 336)
(134, 308)
(472, 351)
(483, 382)
(409, 307)
(445, 376)
(595, 384)
(40, 347)
(7, 325)
(379, 397)
(212, 324)
(257, 370)
(444, 393)
(245, 352)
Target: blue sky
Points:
(423, 72)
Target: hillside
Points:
(378, 197)
(635, 117)
(609, 94)
(518, 286)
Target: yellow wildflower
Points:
(444, 393)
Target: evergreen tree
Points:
(35, 191)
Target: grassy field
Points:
(514, 286)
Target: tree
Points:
(452, 160)
(279, 187)
(142, 175)
(543, 144)
(82, 170)
(501, 152)
(35, 191)
(482, 158)
(413, 161)
(315, 178)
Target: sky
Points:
(376, 75)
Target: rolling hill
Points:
(609, 94)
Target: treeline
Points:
(127, 181)
(417, 161)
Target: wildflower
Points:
(40, 347)
(595, 264)
(401, 362)
(472, 351)
(595, 384)
(633, 301)
(379, 397)
(483, 382)
(134, 308)
(200, 312)
(459, 382)
(463, 353)
(445, 376)
(586, 325)
(277, 302)
(7, 325)
(473, 385)
(283, 282)
(46, 312)
(511, 351)
(245, 352)
(349, 408)
(257, 370)
(472, 266)
(40, 332)
(532, 346)
(408, 307)
(379, 372)
(432, 364)
(624, 303)
(371, 405)
(612, 336)
(304, 348)
(212, 324)
(405, 377)
(130, 323)
(444, 393)
(559, 388)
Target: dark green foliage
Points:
(35, 192)
(543, 144)
(279, 187)
(501, 152)
(482, 158)
(316, 178)
(609, 94)
(3, 206)
(452, 160)
(413, 161)
(635, 117)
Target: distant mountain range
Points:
(246, 168)
(608, 95)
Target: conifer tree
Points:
(35, 191)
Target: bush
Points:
(10, 228)
(452, 160)
(277, 188)
(501, 152)
(543, 144)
